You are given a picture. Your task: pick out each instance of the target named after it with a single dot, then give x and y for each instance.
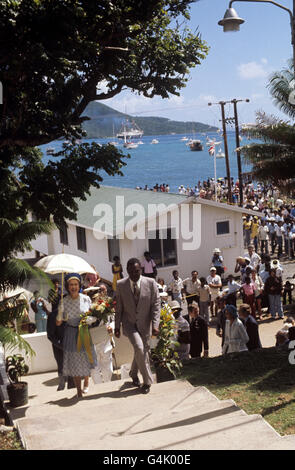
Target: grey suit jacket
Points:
(145, 315)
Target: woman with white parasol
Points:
(77, 363)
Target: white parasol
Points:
(64, 263)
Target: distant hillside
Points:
(106, 121)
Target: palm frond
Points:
(12, 309)
(281, 85)
(11, 341)
(14, 272)
(16, 236)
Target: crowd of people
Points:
(233, 303)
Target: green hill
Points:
(106, 121)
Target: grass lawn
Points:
(261, 382)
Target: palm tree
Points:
(273, 156)
(15, 237)
(281, 86)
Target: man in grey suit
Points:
(138, 309)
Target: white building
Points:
(180, 232)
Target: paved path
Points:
(116, 416)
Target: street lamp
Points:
(232, 21)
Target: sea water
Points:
(170, 161)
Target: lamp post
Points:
(232, 22)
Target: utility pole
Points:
(240, 174)
(222, 104)
(234, 121)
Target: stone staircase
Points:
(116, 416)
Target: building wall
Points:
(231, 245)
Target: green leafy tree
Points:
(15, 238)
(58, 56)
(273, 156)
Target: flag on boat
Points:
(211, 149)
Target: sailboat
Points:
(114, 142)
(130, 131)
(220, 154)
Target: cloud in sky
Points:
(252, 70)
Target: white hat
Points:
(216, 250)
(212, 268)
(174, 305)
(163, 294)
(274, 263)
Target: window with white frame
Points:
(163, 248)
(222, 227)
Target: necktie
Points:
(135, 292)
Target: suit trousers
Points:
(141, 360)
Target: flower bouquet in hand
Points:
(103, 309)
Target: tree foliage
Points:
(58, 56)
(273, 156)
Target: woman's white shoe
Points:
(85, 389)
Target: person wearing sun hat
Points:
(182, 331)
(217, 261)
(76, 364)
(215, 284)
(235, 337)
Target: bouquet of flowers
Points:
(104, 311)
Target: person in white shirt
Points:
(191, 286)
(275, 264)
(215, 284)
(254, 257)
(263, 237)
(232, 288)
(176, 288)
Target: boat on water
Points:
(196, 145)
(130, 131)
(49, 151)
(154, 141)
(220, 154)
(130, 145)
(140, 142)
(183, 139)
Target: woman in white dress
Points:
(76, 363)
(236, 337)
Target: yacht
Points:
(154, 141)
(130, 131)
(49, 151)
(220, 154)
(196, 145)
(130, 145)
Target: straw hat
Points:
(174, 305)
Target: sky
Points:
(238, 66)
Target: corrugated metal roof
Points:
(114, 202)
(108, 204)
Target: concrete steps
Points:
(116, 416)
